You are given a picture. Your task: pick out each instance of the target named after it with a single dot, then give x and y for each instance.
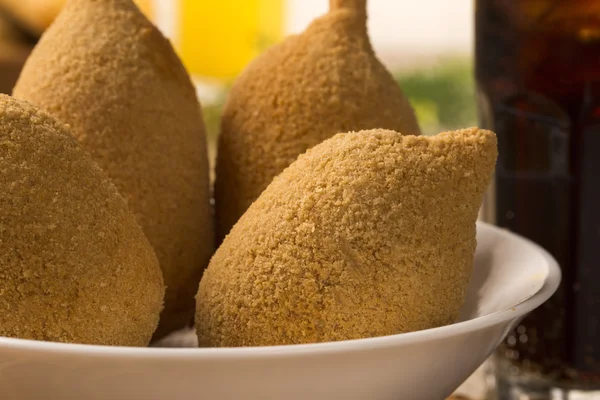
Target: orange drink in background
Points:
(217, 39)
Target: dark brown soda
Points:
(538, 76)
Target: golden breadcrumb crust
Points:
(369, 233)
(297, 94)
(74, 264)
(104, 69)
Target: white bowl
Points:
(512, 276)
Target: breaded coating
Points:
(367, 234)
(105, 70)
(75, 266)
(297, 94)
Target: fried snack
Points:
(75, 265)
(297, 94)
(367, 234)
(105, 70)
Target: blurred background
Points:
(427, 45)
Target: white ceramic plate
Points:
(512, 276)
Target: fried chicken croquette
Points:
(367, 234)
(297, 94)
(105, 70)
(75, 265)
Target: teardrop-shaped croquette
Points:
(367, 234)
(298, 93)
(105, 70)
(75, 266)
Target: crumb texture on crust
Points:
(297, 94)
(105, 70)
(75, 266)
(367, 234)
